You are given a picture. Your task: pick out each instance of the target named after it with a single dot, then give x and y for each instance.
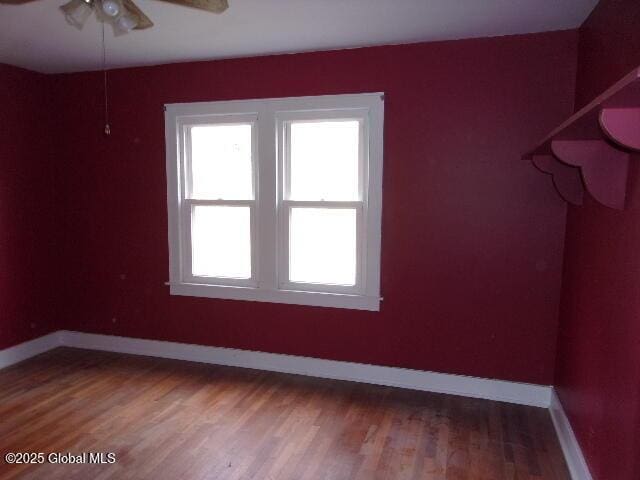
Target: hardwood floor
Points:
(167, 419)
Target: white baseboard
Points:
(513, 392)
(576, 462)
(500, 390)
(29, 349)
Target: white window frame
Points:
(270, 206)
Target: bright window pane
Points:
(221, 241)
(221, 162)
(324, 160)
(323, 246)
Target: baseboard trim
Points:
(18, 353)
(500, 390)
(576, 462)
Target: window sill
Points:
(316, 299)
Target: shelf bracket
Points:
(566, 179)
(603, 168)
(598, 140)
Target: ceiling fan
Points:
(123, 15)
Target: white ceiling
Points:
(36, 36)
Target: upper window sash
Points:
(284, 121)
(185, 126)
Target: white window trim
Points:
(269, 117)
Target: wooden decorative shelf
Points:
(591, 149)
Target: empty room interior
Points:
(320, 239)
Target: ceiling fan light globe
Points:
(126, 23)
(111, 8)
(76, 12)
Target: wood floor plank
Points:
(167, 419)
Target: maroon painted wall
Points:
(28, 277)
(598, 366)
(472, 236)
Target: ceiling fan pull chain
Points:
(107, 127)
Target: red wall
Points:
(472, 236)
(27, 271)
(598, 367)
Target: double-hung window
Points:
(277, 200)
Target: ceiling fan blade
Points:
(134, 10)
(215, 6)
